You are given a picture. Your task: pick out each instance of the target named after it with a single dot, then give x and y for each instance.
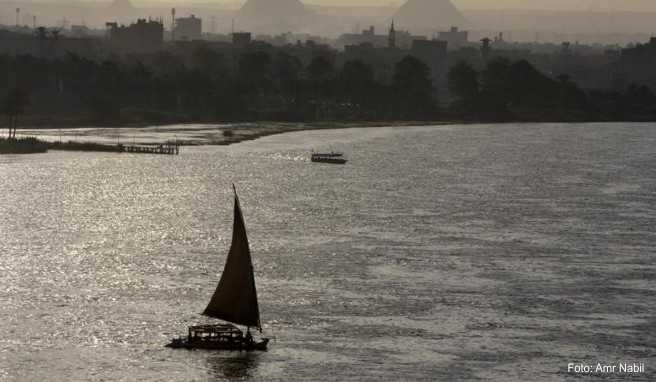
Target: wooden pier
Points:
(163, 149)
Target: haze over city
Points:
(602, 21)
(596, 5)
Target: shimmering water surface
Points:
(438, 253)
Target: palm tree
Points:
(15, 104)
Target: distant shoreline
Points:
(222, 134)
(239, 132)
(255, 132)
(40, 122)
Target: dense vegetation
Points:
(257, 87)
(260, 86)
(506, 90)
(22, 146)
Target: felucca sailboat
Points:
(234, 301)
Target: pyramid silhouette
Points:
(428, 14)
(279, 14)
(121, 5)
(120, 11)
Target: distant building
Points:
(405, 39)
(643, 51)
(241, 39)
(381, 59)
(454, 37)
(277, 40)
(636, 65)
(393, 39)
(143, 36)
(80, 31)
(48, 44)
(188, 28)
(367, 36)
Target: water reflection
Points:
(233, 365)
(435, 247)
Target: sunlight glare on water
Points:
(437, 253)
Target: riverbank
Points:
(92, 138)
(32, 145)
(516, 115)
(190, 134)
(116, 139)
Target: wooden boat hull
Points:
(331, 160)
(181, 343)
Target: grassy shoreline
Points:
(201, 135)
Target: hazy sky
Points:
(631, 5)
(584, 5)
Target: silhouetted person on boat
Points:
(249, 336)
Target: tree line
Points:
(257, 85)
(506, 90)
(210, 87)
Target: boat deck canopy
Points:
(219, 328)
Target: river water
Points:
(487, 252)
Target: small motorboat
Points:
(331, 157)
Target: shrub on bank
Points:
(86, 146)
(29, 145)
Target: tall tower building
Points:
(391, 38)
(188, 28)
